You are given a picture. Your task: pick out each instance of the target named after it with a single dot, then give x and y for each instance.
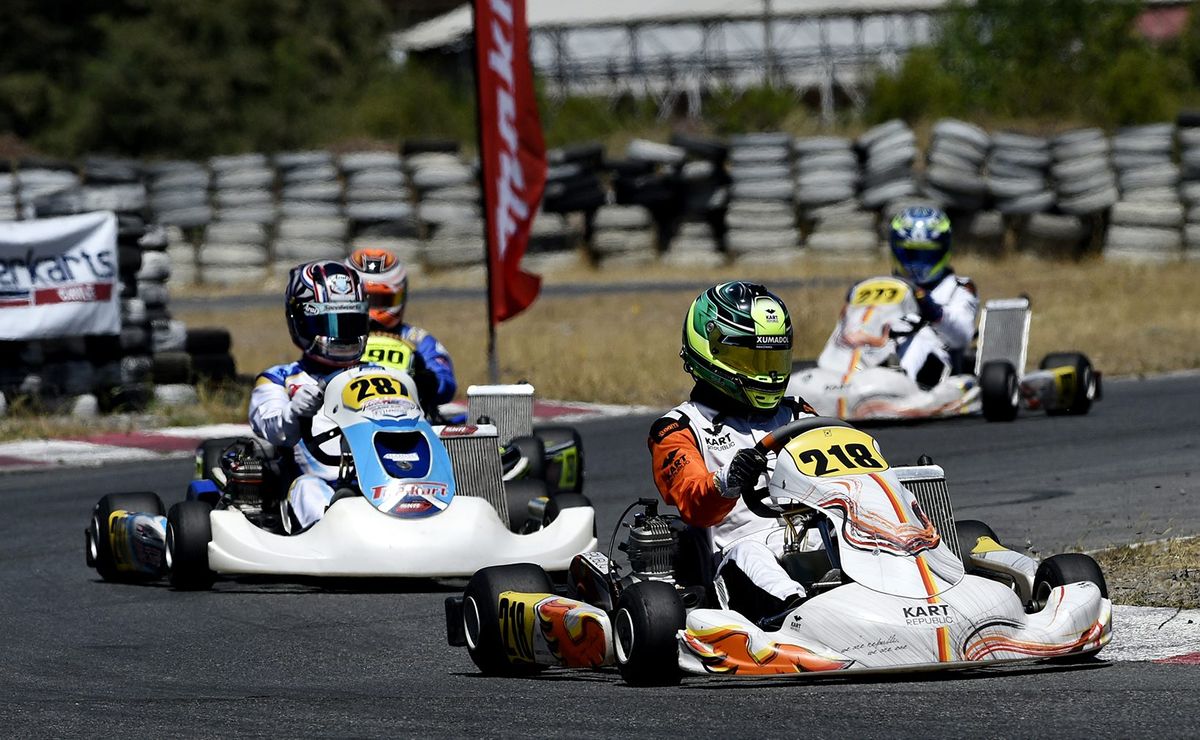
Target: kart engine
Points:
(652, 545)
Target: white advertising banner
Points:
(58, 277)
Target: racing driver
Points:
(931, 343)
(737, 345)
(391, 341)
(326, 310)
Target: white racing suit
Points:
(271, 419)
(688, 445)
(926, 356)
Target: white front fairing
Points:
(909, 605)
(855, 628)
(857, 375)
(356, 539)
(412, 520)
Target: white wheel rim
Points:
(624, 643)
(169, 550)
(471, 622)
(92, 543)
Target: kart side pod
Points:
(511, 631)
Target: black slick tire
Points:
(189, 531)
(485, 626)
(998, 391)
(648, 616)
(969, 531)
(98, 542)
(1085, 387)
(1060, 570)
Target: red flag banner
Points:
(512, 150)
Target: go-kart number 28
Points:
(836, 451)
(878, 293)
(372, 386)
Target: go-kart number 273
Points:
(372, 386)
(825, 453)
(878, 293)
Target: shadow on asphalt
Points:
(307, 585)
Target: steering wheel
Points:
(774, 442)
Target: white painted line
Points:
(1152, 633)
(53, 451)
(204, 432)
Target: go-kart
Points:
(412, 500)
(858, 377)
(898, 586)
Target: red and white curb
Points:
(1143, 633)
(170, 442)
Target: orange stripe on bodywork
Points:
(943, 633)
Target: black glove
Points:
(742, 472)
(931, 310)
(427, 384)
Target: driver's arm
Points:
(271, 414)
(436, 361)
(959, 313)
(681, 476)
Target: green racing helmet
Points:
(737, 338)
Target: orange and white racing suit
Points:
(689, 445)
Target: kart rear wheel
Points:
(534, 452)
(98, 538)
(208, 456)
(1060, 570)
(562, 502)
(999, 392)
(189, 530)
(648, 616)
(519, 494)
(481, 611)
(564, 458)
(969, 531)
(1086, 387)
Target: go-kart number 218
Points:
(834, 451)
(514, 630)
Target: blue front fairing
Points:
(403, 468)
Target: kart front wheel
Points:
(189, 530)
(1060, 570)
(1083, 391)
(969, 532)
(999, 391)
(495, 630)
(648, 616)
(98, 550)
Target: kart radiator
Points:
(928, 484)
(1004, 333)
(509, 407)
(475, 458)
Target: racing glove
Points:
(905, 325)
(931, 310)
(306, 401)
(741, 474)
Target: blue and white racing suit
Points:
(271, 418)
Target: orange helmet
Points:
(386, 282)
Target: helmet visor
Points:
(754, 362)
(340, 321)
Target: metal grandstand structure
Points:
(675, 51)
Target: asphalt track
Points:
(80, 657)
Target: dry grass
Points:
(1159, 574)
(623, 348)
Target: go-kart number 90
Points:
(834, 452)
(388, 351)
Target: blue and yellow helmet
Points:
(920, 242)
